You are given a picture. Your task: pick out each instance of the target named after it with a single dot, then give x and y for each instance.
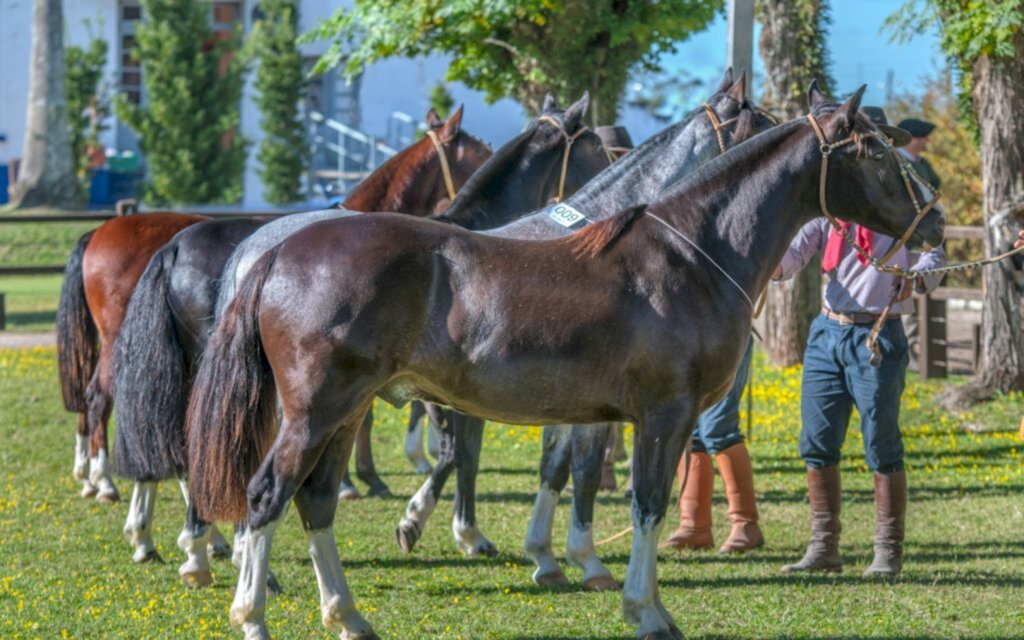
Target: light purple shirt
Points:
(854, 287)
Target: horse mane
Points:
(383, 188)
(592, 240)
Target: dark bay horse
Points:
(638, 177)
(171, 315)
(98, 282)
(520, 178)
(642, 318)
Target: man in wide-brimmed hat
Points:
(839, 375)
(615, 139)
(919, 131)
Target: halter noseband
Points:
(569, 140)
(443, 159)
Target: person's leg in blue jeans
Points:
(825, 407)
(876, 392)
(718, 434)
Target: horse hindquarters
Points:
(76, 353)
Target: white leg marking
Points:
(579, 550)
(251, 594)
(238, 555)
(195, 571)
(641, 605)
(138, 529)
(81, 457)
(433, 439)
(470, 540)
(414, 448)
(337, 607)
(99, 476)
(419, 508)
(538, 535)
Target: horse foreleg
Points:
(414, 438)
(554, 474)
(588, 455)
(365, 469)
(469, 436)
(660, 439)
(138, 527)
(317, 502)
(423, 503)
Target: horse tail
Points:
(232, 412)
(152, 379)
(76, 333)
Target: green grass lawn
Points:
(66, 572)
(31, 301)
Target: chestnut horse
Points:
(642, 318)
(106, 264)
(171, 315)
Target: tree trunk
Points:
(47, 173)
(998, 102)
(793, 51)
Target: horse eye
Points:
(878, 156)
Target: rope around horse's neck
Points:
(443, 159)
(569, 140)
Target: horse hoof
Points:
(352, 635)
(483, 551)
(219, 551)
(110, 496)
(197, 579)
(273, 586)
(89, 490)
(379, 490)
(406, 535)
(423, 467)
(660, 635)
(148, 556)
(602, 582)
(348, 494)
(553, 579)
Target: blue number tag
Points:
(567, 216)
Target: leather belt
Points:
(856, 317)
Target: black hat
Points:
(615, 138)
(900, 136)
(917, 128)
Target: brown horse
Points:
(642, 318)
(107, 263)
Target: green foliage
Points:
(280, 83)
(953, 153)
(188, 131)
(441, 99)
(88, 103)
(968, 30)
(520, 48)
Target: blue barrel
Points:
(3, 184)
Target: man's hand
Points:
(1020, 240)
(778, 270)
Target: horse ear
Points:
(850, 107)
(574, 115)
(726, 81)
(433, 120)
(738, 91)
(452, 126)
(814, 96)
(550, 104)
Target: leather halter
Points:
(569, 140)
(443, 159)
(719, 125)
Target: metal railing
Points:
(342, 155)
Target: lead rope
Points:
(569, 140)
(443, 159)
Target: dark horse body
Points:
(577, 450)
(171, 315)
(98, 283)
(626, 320)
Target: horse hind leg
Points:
(424, 501)
(554, 474)
(138, 527)
(217, 547)
(469, 436)
(317, 502)
(587, 461)
(365, 469)
(414, 438)
(100, 402)
(81, 469)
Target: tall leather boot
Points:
(694, 530)
(890, 514)
(825, 495)
(738, 476)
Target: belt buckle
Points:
(844, 319)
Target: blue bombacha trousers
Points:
(718, 428)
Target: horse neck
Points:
(727, 210)
(643, 173)
(398, 184)
(510, 185)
